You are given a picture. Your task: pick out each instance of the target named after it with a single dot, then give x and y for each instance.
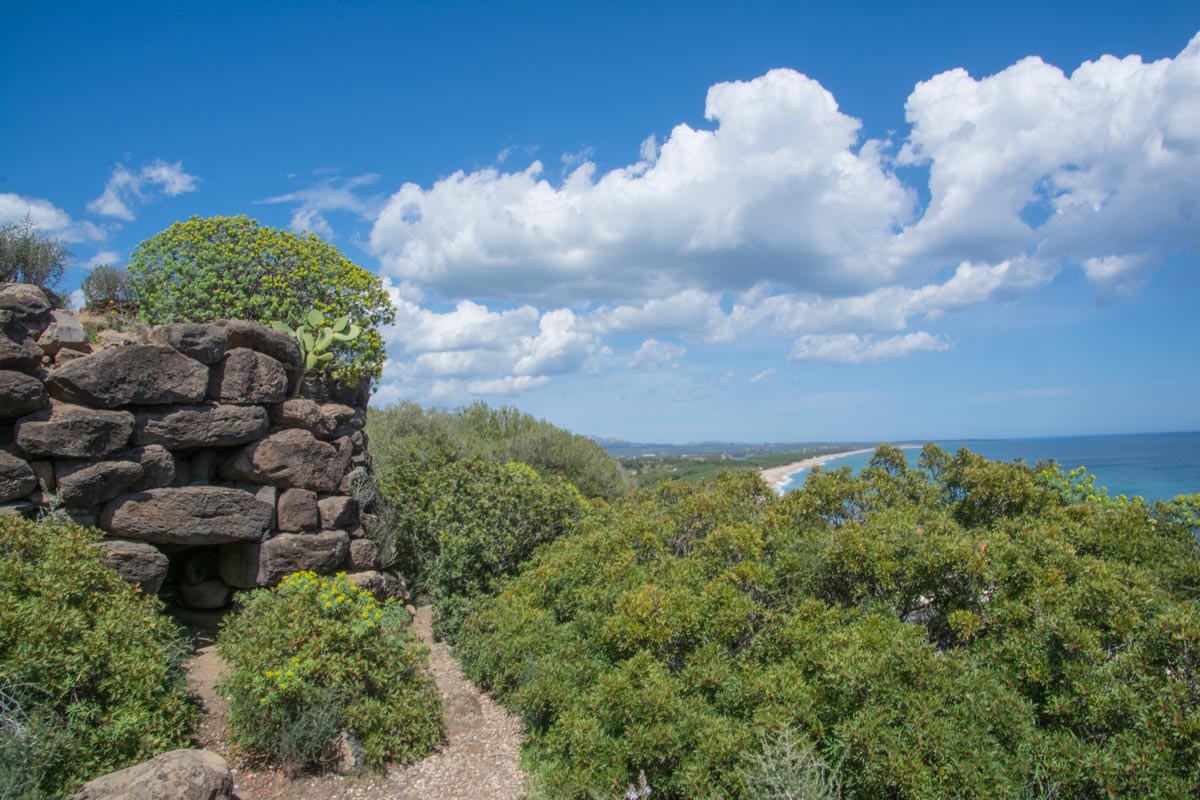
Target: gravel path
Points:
(478, 761)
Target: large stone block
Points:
(82, 484)
(18, 350)
(364, 555)
(156, 461)
(298, 511)
(188, 515)
(20, 394)
(64, 331)
(292, 458)
(292, 552)
(16, 477)
(136, 562)
(245, 376)
(70, 431)
(382, 585)
(206, 425)
(137, 374)
(28, 303)
(178, 775)
(278, 345)
(205, 343)
(338, 513)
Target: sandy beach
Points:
(777, 476)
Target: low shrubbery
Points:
(89, 667)
(962, 629)
(316, 656)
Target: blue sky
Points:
(673, 221)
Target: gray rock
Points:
(155, 460)
(268, 495)
(278, 345)
(64, 331)
(237, 564)
(338, 513)
(16, 477)
(137, 374)
(245, 376)
(70, 431)
(298, 511)
(82, 484)
(44, 472)
(382, 585)
(84, 517)
(348, 759)
(18, 350)
(178, 775)
(324, 388)
(206, 595)
(18, 508)
(30, 304)
(65, 356)
(188, 515)
(136, 562)
(364, 555)
(206, 425)
(289, 459)
(205, 343)
(20, 394)
(303, 414)
(292, 552)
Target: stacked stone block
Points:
(183, 443)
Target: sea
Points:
(1155, 466)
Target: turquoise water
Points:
(1152, 465)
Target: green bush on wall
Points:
(318, 655)
(90, 677)
(231, 267)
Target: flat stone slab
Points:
(246, 376)
(70, 431)
(203, 425)
(136, 562)
(136, 374)
(189, 515)
(292, 458)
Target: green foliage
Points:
(961, 629)
(488, 518)
(408, 441)
(315, 656)
(206, 269)
(107, 289)
(90, 677)
(28, 256)
(315, 344)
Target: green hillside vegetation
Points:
(962, 629)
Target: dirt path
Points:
(478, 761)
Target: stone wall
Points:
(182, 443)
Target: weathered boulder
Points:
(64, 356)
(18, 350)
(364, 555)
(156, 462)
(82, 484)
(137, 374)
(16, 477)
(303, 414)
(71, 431)
(136, 562)
(246, 376)
(206, 425)
(205, 595)
(20, 394)
(382, 585)
(189, 515)
(292, 552)
(277, 344)
(338, 512)
(205, 343)
(64, 331)
(178, 775)
(28, 303)
(292, 458)
(297, 511)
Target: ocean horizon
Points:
(1154, 466)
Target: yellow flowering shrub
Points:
(318, 655)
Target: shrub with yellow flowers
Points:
(316, 656)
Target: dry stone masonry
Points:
(184, 444)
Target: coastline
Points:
(779, 477)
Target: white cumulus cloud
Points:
(47, 218)
(850, 348)
(656, 356)
(126, 188)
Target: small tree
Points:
(106, 288)
(232, 267)
(28, 256)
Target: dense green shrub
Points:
(408, 441)
(90, 677)
(315, 656)
(232, 267)
(107, 289)
(961, 629)
(484, 520)
(28, 256)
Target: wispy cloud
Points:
(127, 188)
(49, 218)
(331, 193)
